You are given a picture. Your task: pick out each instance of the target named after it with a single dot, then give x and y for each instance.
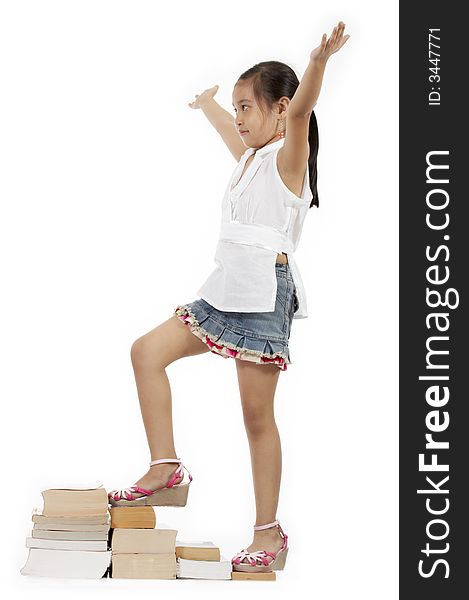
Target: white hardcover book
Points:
(203, 569)
(66, 564)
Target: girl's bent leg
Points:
(257, 385)
(150, 355)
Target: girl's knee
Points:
(143, 353)
(257, 421)
(136, 351)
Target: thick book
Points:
(197, 550)
(144, 566)
(132, 517)
(203, 569)
(75, 502)
(143, 541)
(89, 545)
(77, 564)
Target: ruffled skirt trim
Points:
(229, 349)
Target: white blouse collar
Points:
(266, 148)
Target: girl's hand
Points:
(204, 97)
(327, 47)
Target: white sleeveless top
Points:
(260, 218)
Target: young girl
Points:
(247, 304)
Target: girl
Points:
(247, 304)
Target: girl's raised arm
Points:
(307, 92)
(295, 152)
(221, 119)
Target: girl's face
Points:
(248, 118)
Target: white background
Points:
(110, 195)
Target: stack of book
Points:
(201, 560)
(77, 535)
(139, 551)
(70, 536)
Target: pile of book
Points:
(78, 535)
(140, 550)
(70, 536)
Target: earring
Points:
(281, 133)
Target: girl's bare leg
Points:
(257, 384)
(150, 355)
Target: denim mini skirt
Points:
(260, 337)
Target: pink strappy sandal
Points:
(172, 494)
(261, 560)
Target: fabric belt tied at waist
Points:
(256, 235)
(269, 238)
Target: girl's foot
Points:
(157, 477)
(265, 539)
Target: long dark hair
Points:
(270, 81)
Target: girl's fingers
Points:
(336, 39)
(339, 30)
(335, 35)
